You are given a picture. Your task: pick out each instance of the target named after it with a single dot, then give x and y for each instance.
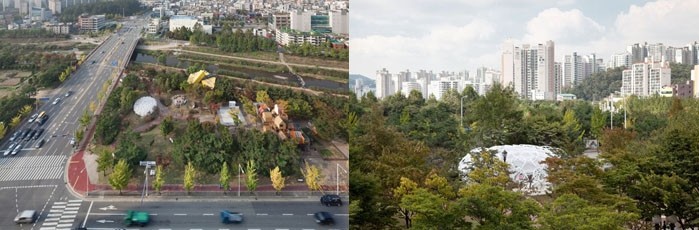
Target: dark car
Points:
(331, 199)
(27, 134)
(324, 218)
(38, 134)
(39, 144)
(30, 135)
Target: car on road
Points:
(16, 135)
(93, 62)
(25, 134)
(26, 217)
(136, 218)
(39, 144)
(17, 149)
(10, 148)
(324, 218)
(228, 217)
(30, 135)
(72, 141)
(58, 99)
(331, 199)
(68, 93)
(33, 118)
(38, 134)
(102, 51)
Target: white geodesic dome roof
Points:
(525, 167)
(145, 106)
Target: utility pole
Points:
(148, 164)
(240, 171)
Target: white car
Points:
(72, 141)
(17, 149)
(33, 118)
(57, 100)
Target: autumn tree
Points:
(105, 161)
(159, 180)
(189, 174)
(3, 129)
(120, 176)
(224, 180)
(312, 176)
(277, 179)
(251, 176)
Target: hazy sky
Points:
(458, 35)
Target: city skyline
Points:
(473, 37)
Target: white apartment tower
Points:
(339, 21)
(694, 76)
(530, 70)
(383, 84)
(620, 60)
(645, 79)
(424, 78)
(301, 20)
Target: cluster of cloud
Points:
(465, 42)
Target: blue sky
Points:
(458, 35)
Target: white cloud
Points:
(671, 22)
(562, 27)
(443, 47)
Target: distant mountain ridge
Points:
(368, 82)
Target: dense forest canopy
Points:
(405, 151)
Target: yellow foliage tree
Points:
(277, 179)
(312, 175)
(26, 110)
(3, 129)
(16, 120)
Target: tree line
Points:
(117, 7)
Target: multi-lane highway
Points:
(34, 178)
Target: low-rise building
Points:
(154, 26)
(286, 37)
(92, 23)
(59, 28)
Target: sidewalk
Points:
(80, 184)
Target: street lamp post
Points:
(240, 171)
(337, 178)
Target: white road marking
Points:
(51, 219)
(73, 208)
(66, 221)
(50, 224)
(69, 216)
(180, 214)
(261, 214)
(58, 206)
(64, 225)
(74, 204)
(49, 228)
(75, 201)
(55, 210)
(53, 214)
(208, 214)
(71, 212)
(309, 214)
(287, 214)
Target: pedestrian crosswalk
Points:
(61, 215)
(31, 168)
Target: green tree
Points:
(85, 118)
(251, 176)
(277, 179)
(486, 168)
(495, 116)
(159, 180)
(105, 161)
(26, 110)
(569, 211)
(572, 141)
(189, 174)
(120, 176)
(597, 122)
(225, 178)
(167, 126)
(493, 207)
